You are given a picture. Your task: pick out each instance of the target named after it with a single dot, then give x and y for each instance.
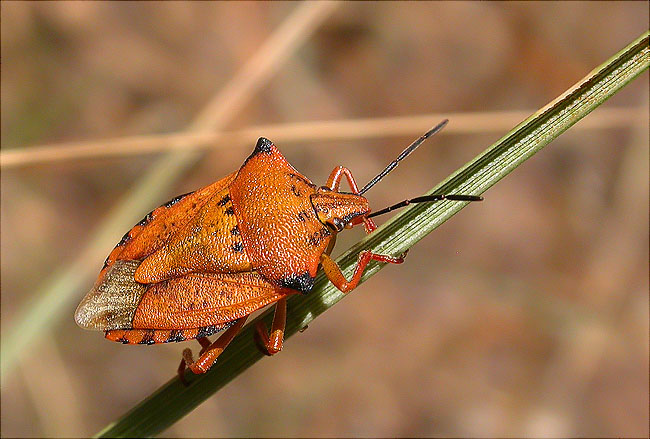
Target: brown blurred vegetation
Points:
(525, 315)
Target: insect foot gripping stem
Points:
(334, 274)
(271, 344)
(209, 353)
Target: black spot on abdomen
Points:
(207, 331)
(126, 238)
(300, 282)
(175, 335)
(147, 338)
(175, 200)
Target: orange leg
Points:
(333, 272)
(368, 224)
(271, 344)
(210, 352)
(334, 180)
(205, 344)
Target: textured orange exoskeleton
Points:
(204, 261)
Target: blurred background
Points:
(524, 315)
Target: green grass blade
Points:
(173, 401)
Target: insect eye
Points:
(336, 224)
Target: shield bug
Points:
(204, 261)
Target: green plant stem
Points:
(173, 401)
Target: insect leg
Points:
(334, 180)
(331, 245)
(334, 274)
(271, 344)
(369, 224)
(205, 344)
(210, 353)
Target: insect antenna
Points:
(412, 147)
(427, 199)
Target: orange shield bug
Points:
(204, 261)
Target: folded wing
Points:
(117, 303)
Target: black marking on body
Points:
(126, 238)
(303, 216)
(122, 339)
(302, 179)
(106, 261)
(224, 200)
(299, 282)
(229, 211)
(175, 200)
(234, 231)
(146, 219)
(295, 191)
(318, 236)
(237, 247)
(175, 335)
(206, 331)
(263, 146)
(170, 203)
(147, 338)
